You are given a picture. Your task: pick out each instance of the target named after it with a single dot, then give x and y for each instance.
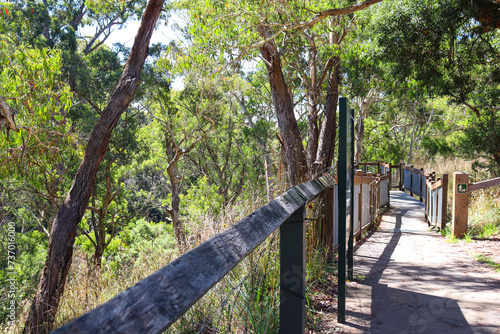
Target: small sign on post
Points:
(462, 188)
(460, 204)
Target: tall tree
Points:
(44, 307)
(450, 48)
(239, 31)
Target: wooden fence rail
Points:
(436, 201)
(371, 193)
(414, 181)
(461, 191)
(429, 190)
(156, 302)
(418, 183)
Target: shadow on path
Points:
(410, 282)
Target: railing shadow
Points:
(396, 310)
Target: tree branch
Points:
(317, 18)
(7, 116)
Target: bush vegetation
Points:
(187, 161)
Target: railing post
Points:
(359, 203)
(444, 206)
(293, 274)
(389, 191)
(401, 176)
(460, 203)
(420, 185)
(377, 179)
(427, 200)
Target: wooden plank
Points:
(384, 177)
(484, 184)
(366, 209)
(460, 203)
(362, 179)
(434, 185)
(157, 301)
(357, 208)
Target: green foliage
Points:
(201, 199)
(30, 85)
(443, 46)
(487, 260)
(19, 273)
(480, 133)
(137, 238)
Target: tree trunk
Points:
(328, 134)
(324, 157)
(312, 111)
(51, 287)
(283, 103)
(179, 231)
(364, 105)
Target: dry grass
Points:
(87, 288)
(246, 300)
(450, 165)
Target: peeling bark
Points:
(59, 258)
(328, 133)
(283, 102)
(6, 116)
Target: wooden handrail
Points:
(484, 184)
(156, 302)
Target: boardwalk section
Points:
(409, 280)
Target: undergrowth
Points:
(244, 301)
(488, 261)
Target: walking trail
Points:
(409, 280)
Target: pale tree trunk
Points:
(43, 310)
(328, 133)
(268, 164)
(413, 132)
(312, 110)
(175, 180)
(7, 117)
(364, 105)
(283, 102)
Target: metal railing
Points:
(371, 193)
(436, 201)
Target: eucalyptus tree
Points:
(59, 258)
(181, 127)
(451, 48)
(274, 32)
(36, 136)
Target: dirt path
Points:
(409, 280)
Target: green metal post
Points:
(293, 274)
(350, 245)
(345, 179)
